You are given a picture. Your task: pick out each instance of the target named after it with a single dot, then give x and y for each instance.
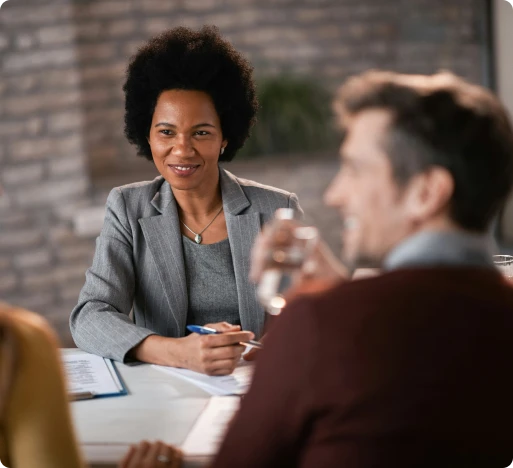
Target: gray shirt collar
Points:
(441, 248)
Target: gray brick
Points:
(59, 79)
(222, 20)
(24, 15)
(200, 5)
(156, 6)
(153, 26)
(33, 259)
(39, 60)
(67, 210)
(15, 219)
(96, 52)
(48, 193)
(37, 301)
(31, 149)
(111, 72)
(22, 84)
(87, 30)
(62, 235)
(81, 251)
(4, 42)
(8, 282)
(103, 9)
(56, 35)
(71, 292)
(73, 164)
(26, 105)
(129, 48)
(24, 41)
(37, 281)
(105, 158)
(23, 174)
(5, 202)
(31, 127)
(66, 120)
(5, 263)
(309, 15)
(25, 239)
(121, 28)
(46, 147)
(105, 115)
(97, 95)
(70, 273)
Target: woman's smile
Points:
(183, 170)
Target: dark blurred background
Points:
(61, 107)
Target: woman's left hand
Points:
(152, 455)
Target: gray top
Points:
(437, 248)
(211, 286)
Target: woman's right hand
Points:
(208, 354)
(212, 354)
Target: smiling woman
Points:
(175, 250)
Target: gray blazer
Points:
(138, 264)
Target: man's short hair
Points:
(441, 120)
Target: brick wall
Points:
(61, 129)
(42, 157)
(328, 39)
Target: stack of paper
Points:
(207, 434)
(236, 383)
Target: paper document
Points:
(208, 432)
(90, 373)
(236, 383)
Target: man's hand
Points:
(321, 265)
(152, 455)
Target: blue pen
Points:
(211, 331)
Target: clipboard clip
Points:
(77, 396)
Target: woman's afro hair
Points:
(192, 60)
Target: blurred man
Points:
(411, 368)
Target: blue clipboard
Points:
(116, 377)
(111, 365)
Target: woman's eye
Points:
(166, 132)
(202, 133)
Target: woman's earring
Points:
(222, 150)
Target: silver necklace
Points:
(197, 235)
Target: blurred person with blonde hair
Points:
(36, 428)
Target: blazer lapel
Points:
(242, 232)
(164, 240)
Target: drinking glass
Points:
(291, 243)
(505, 265)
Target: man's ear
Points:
(429, 193)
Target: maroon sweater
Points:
(410, 369)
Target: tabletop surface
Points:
(158, 407)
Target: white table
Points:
(159, 406)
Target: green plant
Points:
(294, 116)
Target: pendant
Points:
(198, 239)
